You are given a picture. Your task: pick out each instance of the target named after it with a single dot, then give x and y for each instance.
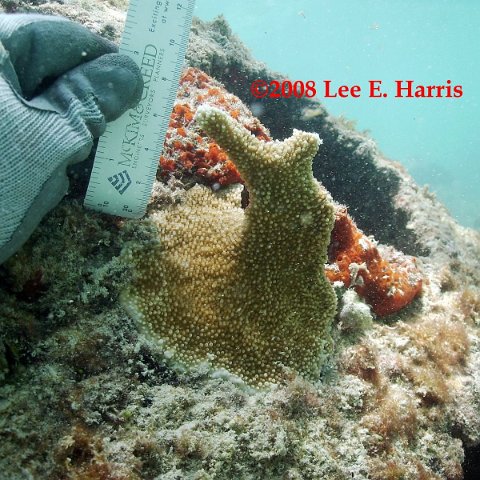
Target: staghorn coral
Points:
(245, 290)
(387, 279)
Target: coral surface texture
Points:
(245, 289)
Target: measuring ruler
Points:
(155, 37)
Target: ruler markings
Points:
(128, 153)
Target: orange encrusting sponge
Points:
(388, 280)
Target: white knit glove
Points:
(59, 85)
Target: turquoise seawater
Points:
(353, 41)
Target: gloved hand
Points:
(59, 85)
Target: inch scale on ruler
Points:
(155, 37)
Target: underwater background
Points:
(203, 341)
(351, 42)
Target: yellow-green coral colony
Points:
(244, 290)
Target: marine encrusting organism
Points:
(244, 289)
(188, 155)
(387, 279)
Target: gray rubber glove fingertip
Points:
(119, 85)
(113, 80)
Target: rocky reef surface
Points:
(86, 394)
